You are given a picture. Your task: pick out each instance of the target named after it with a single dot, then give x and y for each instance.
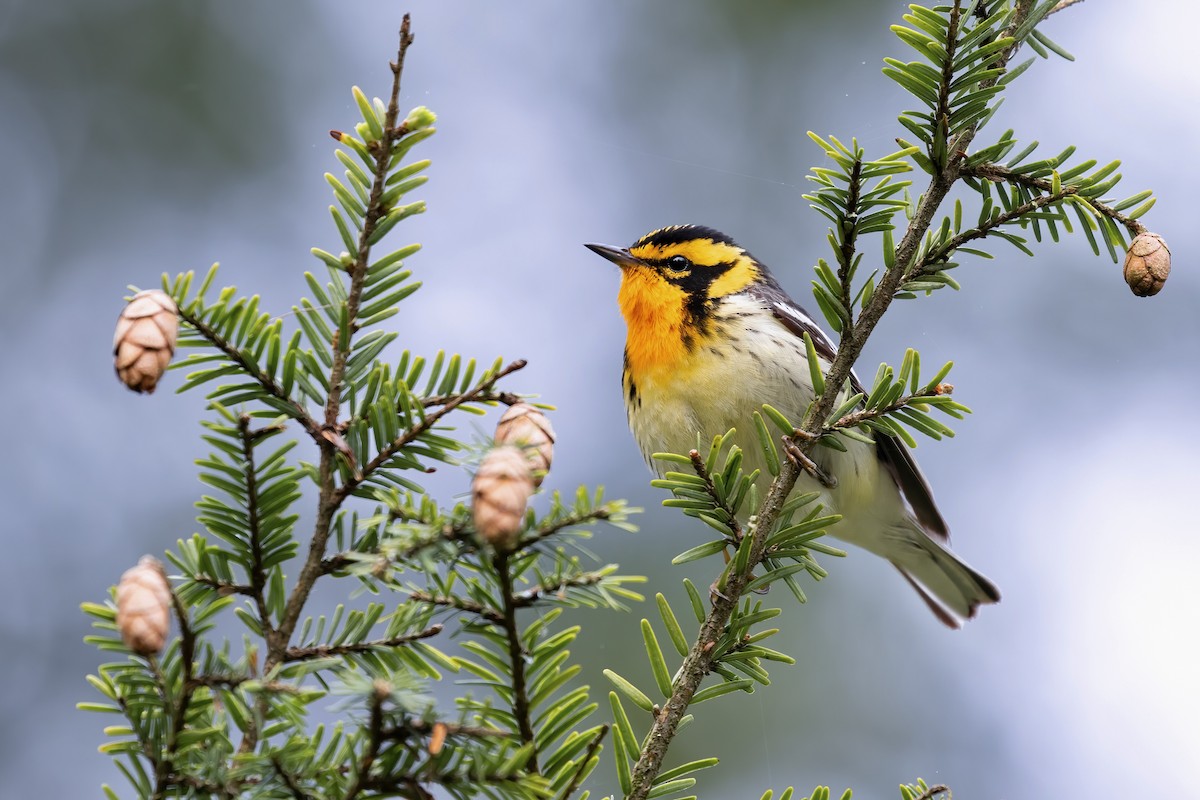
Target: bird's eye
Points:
(678, 262)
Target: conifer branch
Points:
(457, 604)
(1012, 215)
(698, 662)
(998, 173)
(327, 650)
(296, 410)
(362, 774)
(426, 424)
(516, 656)
(329, 497)
(258, 574)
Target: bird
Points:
(712, 336)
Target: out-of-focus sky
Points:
(138, 136)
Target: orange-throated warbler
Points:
(711, 337)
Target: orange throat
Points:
(655, 316)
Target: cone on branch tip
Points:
(499, 494)
(1147, 264)
(144, 607)
(527, 428)
(145, 339)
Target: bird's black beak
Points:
(618, 255)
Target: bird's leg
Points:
(805, 463)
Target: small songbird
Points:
(711, 336)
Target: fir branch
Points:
(941, 788)
(420, 726)
(507, 398)
(698, 662)
(224, 587)
(374, 728)
(855, 418)
(529, 597)
(551, 527)
(849, 236)
(516, 655)
(426, 424)
(217, 681)
(290, 781)
(327, 650)
(998, 173)
(330, 497)
(258, 574)
(941, 253)
(592, 748)
(702, 472)
(164, 764)
(457, 604)
(296, 410)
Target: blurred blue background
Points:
(140, 136)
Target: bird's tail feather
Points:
(947, 584)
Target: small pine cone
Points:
(144, 607)
(526, 427)
(1147, 264)
(501, 489)
(145, 339)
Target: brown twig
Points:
(327, 650)
(701, 470)
(386, 453)
(516, 656)
(362, 775)
(457, 604)
(588, 755)
(1001, 174)
(296, 410)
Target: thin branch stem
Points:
(295, 410)
(530, 596)
(1001, 174)
(362, 776)
(849, 238)
(258, 574)
(941, 788)
(862, 415)
(329, 497)
(1012, 215)
(385, 454)
(516, 655)
(457, 604)
(327, 650)
(701, 470)
(164, 762)
(588, 755)
(289, 780)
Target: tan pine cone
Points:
(144, 607)
(145, 339)
(499, 493)
(526, 427)
(1147, 264)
